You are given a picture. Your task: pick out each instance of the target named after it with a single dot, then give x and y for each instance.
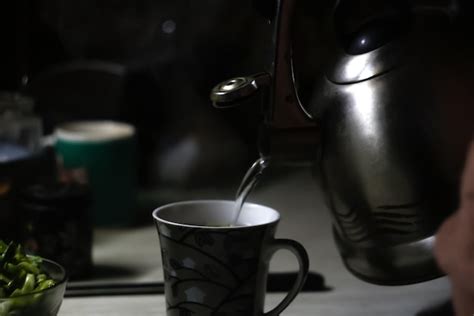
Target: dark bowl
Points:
(43, 303)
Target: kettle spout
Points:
(231, 92)
(289, 133)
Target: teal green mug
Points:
(103, 153)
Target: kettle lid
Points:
(348, 68)
(383, 35)
(367, 44)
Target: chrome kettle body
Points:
(389, 116)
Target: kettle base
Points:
(402, 264)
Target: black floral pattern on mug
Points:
(210, 272)
(203, 238)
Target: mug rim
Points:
(208, 201)
(90, 131)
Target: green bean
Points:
(44, 285)
(29, 267)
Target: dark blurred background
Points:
(148, 62)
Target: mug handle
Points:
(300, 253)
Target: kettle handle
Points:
(287, 110)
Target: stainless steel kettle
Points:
(385, 115)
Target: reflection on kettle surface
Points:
(365, 112)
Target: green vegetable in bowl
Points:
(20, 274)
(22, 280)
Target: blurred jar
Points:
(57, 225)
(22, 159)
(20, 129)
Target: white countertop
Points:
(304, 218)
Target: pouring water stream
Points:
(249, 181)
